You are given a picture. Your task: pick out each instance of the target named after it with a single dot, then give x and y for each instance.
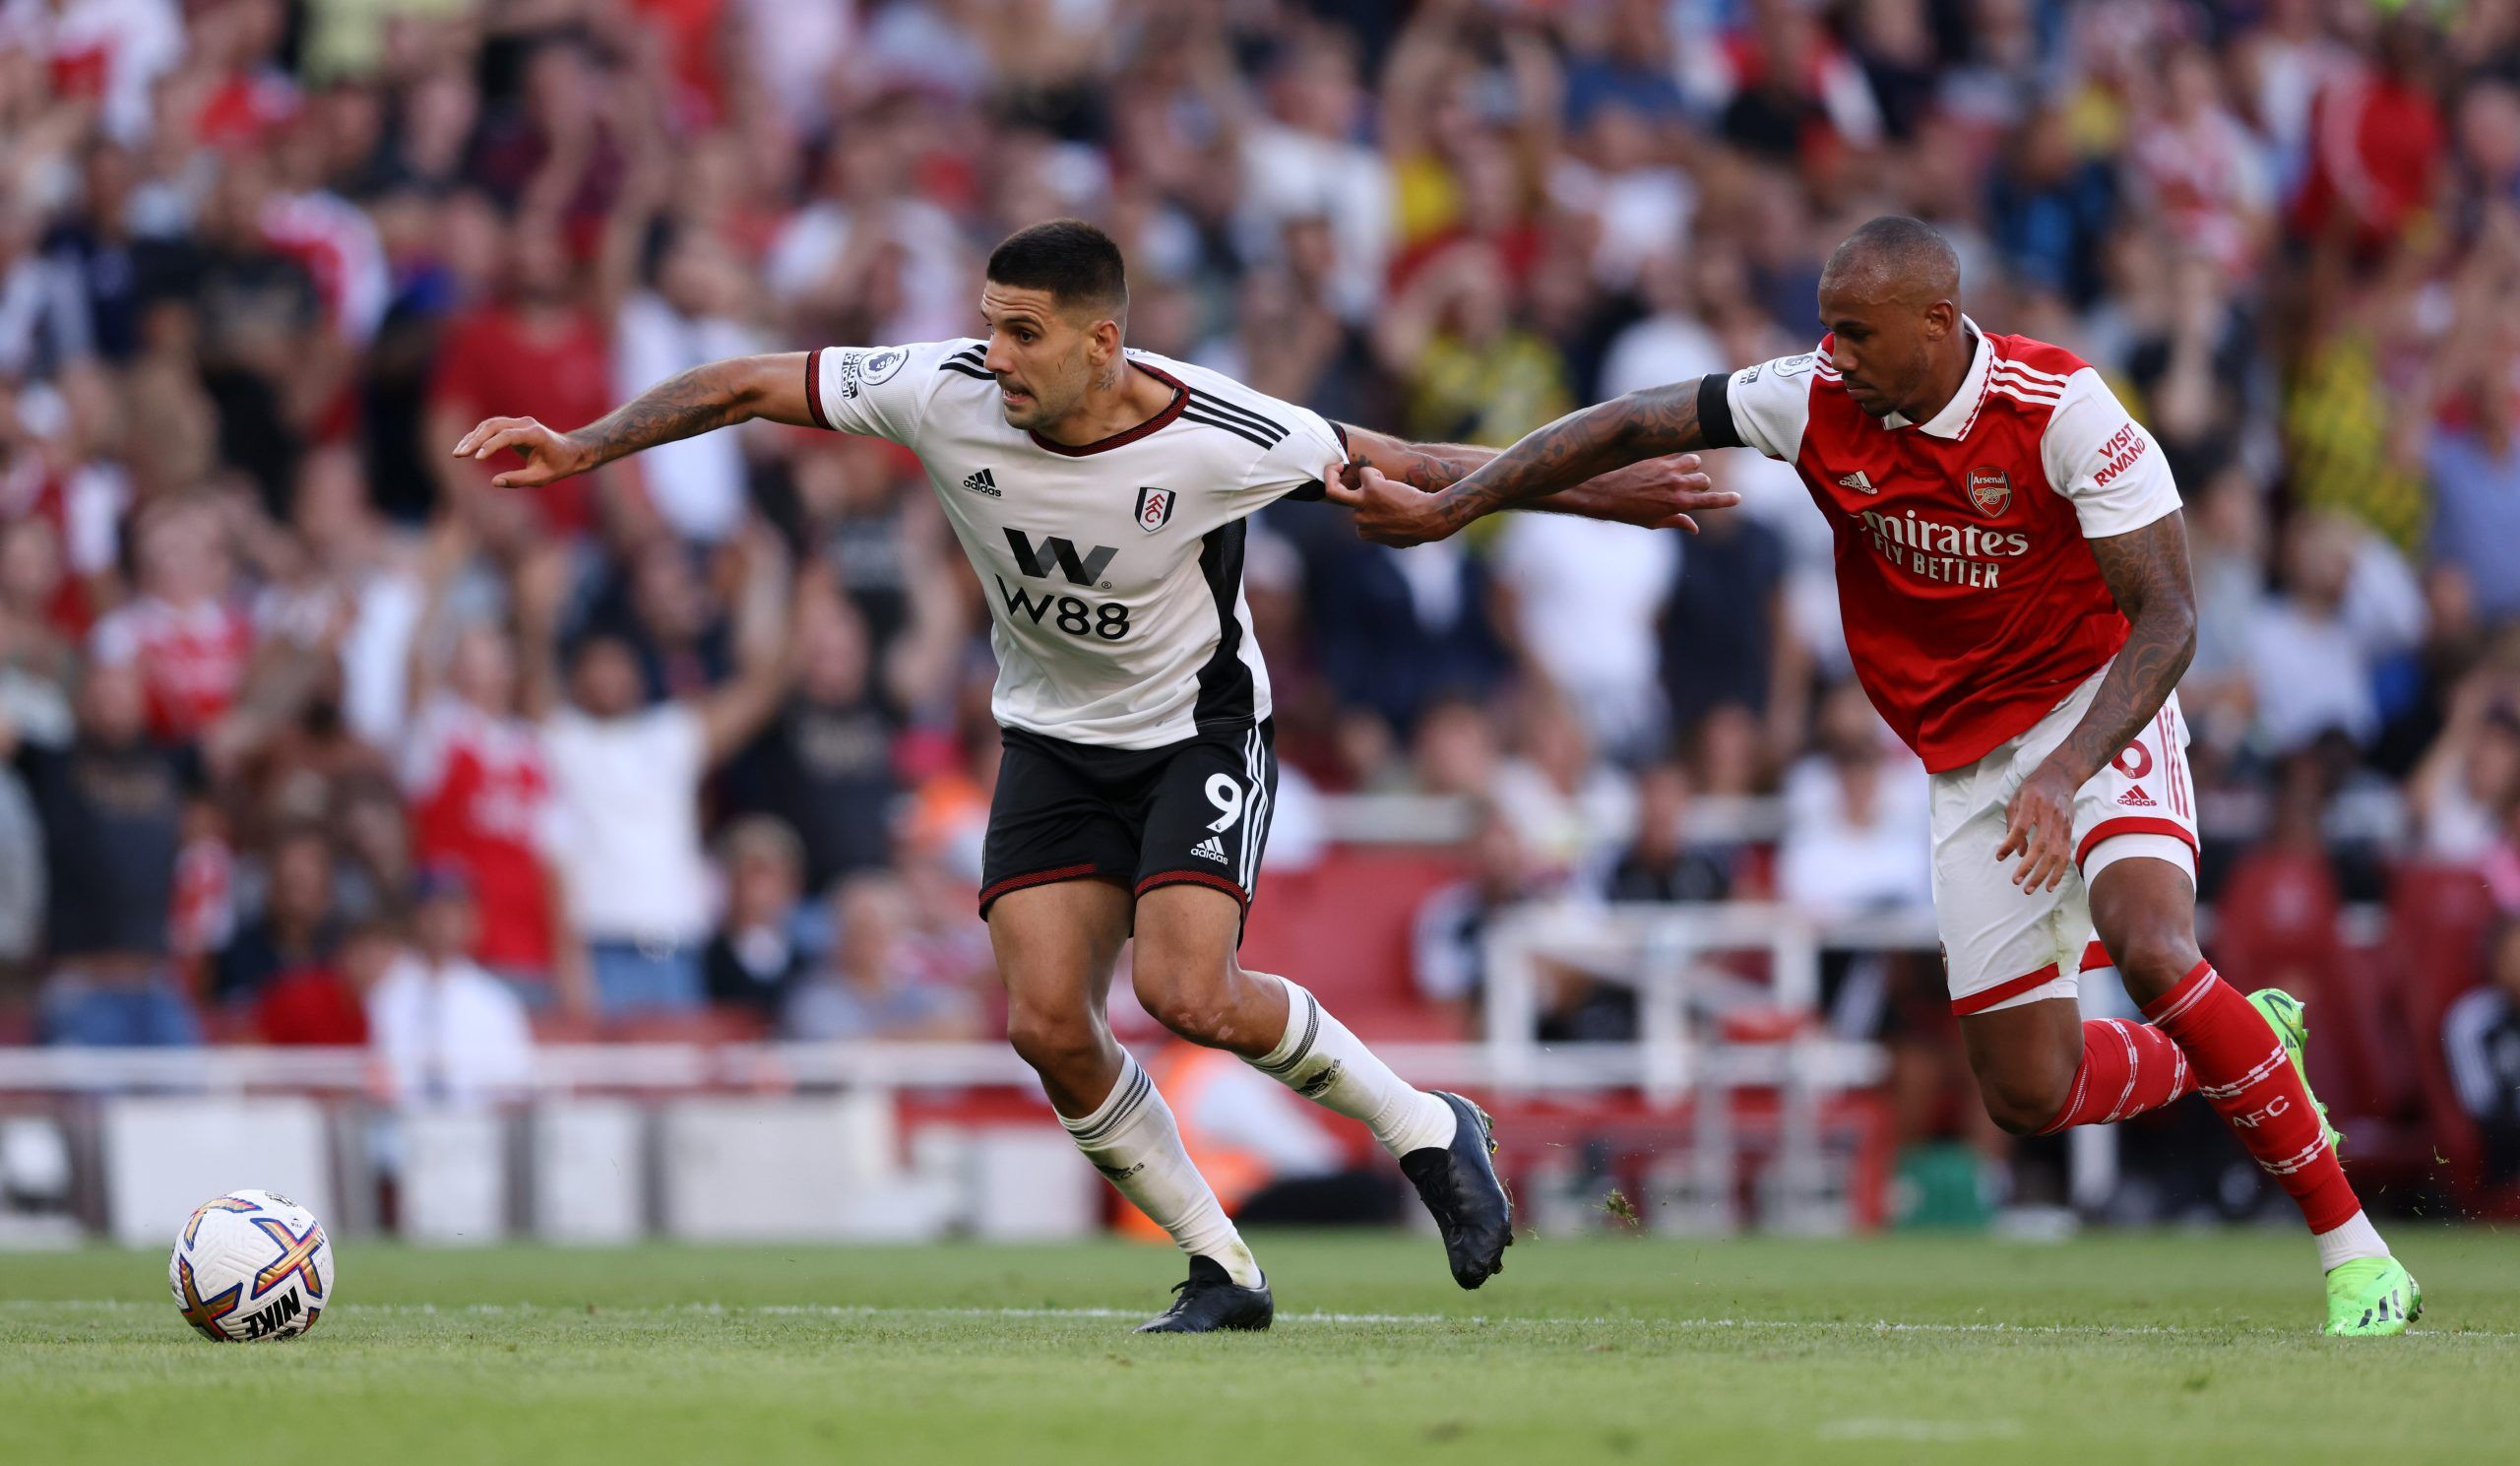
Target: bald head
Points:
(1890, 299)
(1895, 259)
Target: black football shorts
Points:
(1194, 813)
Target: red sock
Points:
(2243, 1072)
(2127, 1068)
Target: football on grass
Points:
(251, 1265)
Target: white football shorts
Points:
(2003, 946)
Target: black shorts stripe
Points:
(1226, 693)
(1239, 430)
(973, 372)
(1224, 409)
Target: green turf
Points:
(2126, 1349)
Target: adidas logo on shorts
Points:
(984, 483)
(2137, 798)
(1210, 849)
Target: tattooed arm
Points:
(1656, 493)
(1580, 446)
(2146, 570)
(718, 395)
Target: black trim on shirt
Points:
(1196, 414)
(1209, 402)
(1225, 683)
(1714, 412)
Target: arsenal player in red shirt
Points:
(2012, 567)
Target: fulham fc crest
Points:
(1155, 508)
(1990, 490)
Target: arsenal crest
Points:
(1990, 490)
(1155, 508)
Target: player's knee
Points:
(1054, 1043)
(2023, 1091)
(2021, 1105)
(1194, 1006)
(2152, 958)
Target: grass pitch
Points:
(2116, 1348)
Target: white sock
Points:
(1320, 1060)
(2356, 1237)
(1132, 1139)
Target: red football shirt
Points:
(1973, 605)
(481, 801)
(493, 366)
(192, 659)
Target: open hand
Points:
(1387, 513)
(1658, 493)
(548, 455)
(2039, 826)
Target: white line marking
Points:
(1478, 1320)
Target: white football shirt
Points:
(1113, 571)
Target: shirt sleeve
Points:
(882, 392)
(1764, 406)
(1301, 444)
(2104, 460)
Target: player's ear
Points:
(1105, 334)
(1942, 319)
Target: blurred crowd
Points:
(300, 714)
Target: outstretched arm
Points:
(1580, 446)
(2146, 570)
(718, 395)
(1656, 494)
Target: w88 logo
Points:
(1107, 619)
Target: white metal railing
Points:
(1661, 953)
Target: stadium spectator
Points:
(2316, 649)
(627, 776)
(186, 633)
(1449, 942)
(445, 1032)
(480, 785)
(1662, 863)
(1582, 599)
(534, 350)
(113, 807)
(1565, 807)
(297, 926)
(755, 961)
(1854, 817)
(825, 764)
(871, 988)
(2481, 1036)
(325, 1005)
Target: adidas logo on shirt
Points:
(984, 483)
(1210, 849)
(1857, 482)
(2137, 798)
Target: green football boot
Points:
(2290, 1017)
(2371, 1298)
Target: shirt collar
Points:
(1954, 420)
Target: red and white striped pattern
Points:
(2024, 384)
(2174, 763)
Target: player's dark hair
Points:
(1075, 263)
